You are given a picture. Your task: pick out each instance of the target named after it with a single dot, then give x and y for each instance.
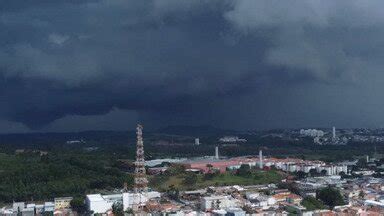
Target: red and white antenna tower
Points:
(141, 181)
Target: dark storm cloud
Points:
(261, 63)
(17, 5)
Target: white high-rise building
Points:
(333, 132)
(217, 152)
(135, 201)
(218, 202)
(197, 141)
(311, 132)
(261, 165)
(100, 204)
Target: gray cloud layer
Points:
(244, 63)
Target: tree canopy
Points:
(311, 203)
(31, 176)
(330, 196)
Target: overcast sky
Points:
(69, 65)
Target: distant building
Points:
(98, 203)
(294, 199)
(235, 212)
(217, 202)
(156, 162)
(89, 149)
(75, 141)
(63, 202)
(231, 139)
(19, 151)
(197, 141)
(311, 132)
(28, 212)
(133, 200)
(49, 207)
(18, 206)
(262, 201)
(39, 209)
(30, 209)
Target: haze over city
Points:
(97, 64)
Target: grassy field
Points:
(162, 183)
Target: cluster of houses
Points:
(59, 207)
(102, 204)
(288, 165)
(364, 195)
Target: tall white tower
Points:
(261, 165)
(217, 152)
(197, 141)
(333, 132)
